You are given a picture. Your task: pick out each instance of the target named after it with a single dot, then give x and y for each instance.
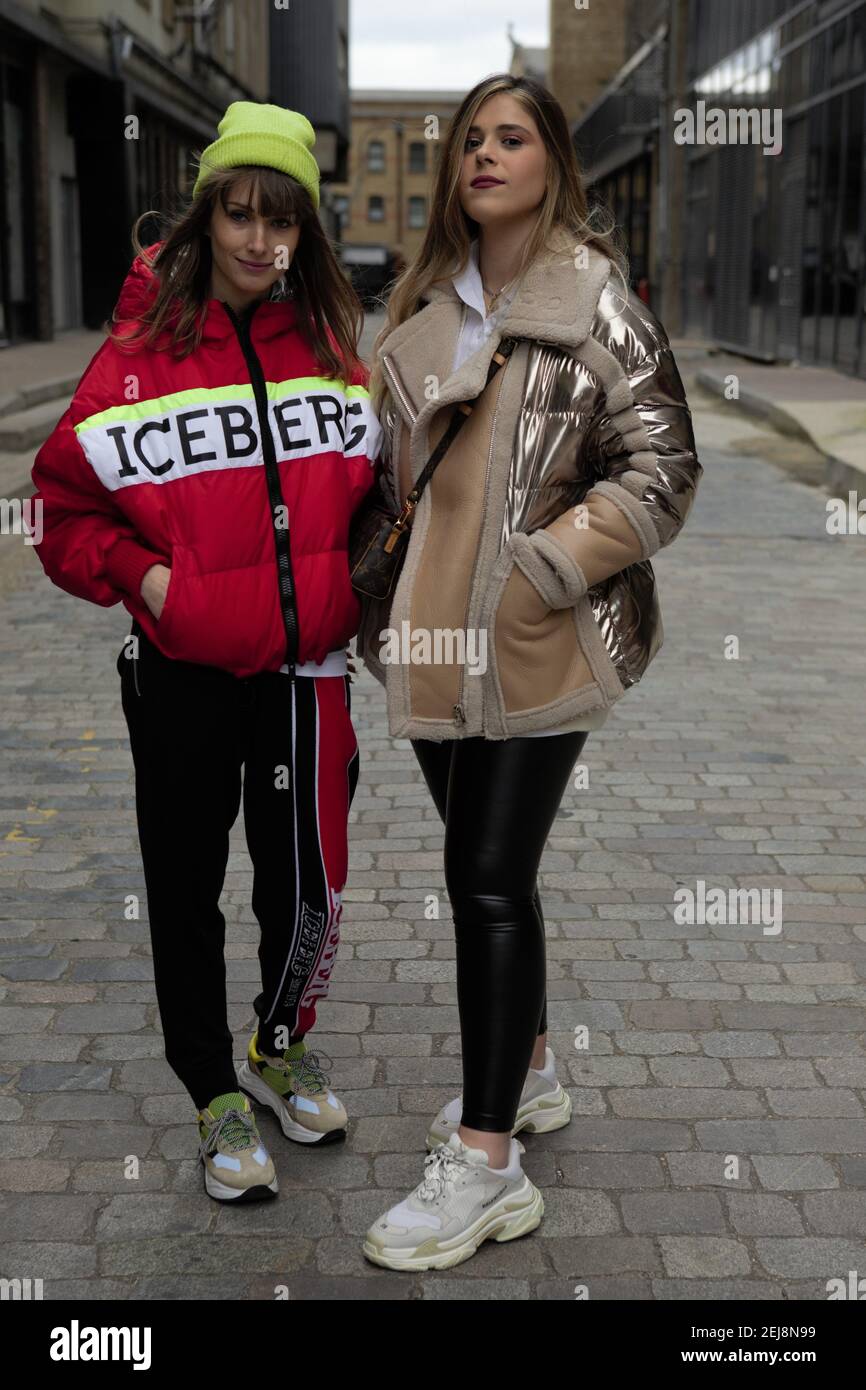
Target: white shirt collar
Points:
(470, 289)
(468, 282)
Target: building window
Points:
(375, 157)
(417, 157)
(417, 212)
(375, 208)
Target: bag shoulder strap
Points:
(461, 414)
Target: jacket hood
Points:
(138, 288)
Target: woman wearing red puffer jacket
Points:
(205, 474)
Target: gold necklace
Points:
(494, 297)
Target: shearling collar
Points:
(554, 303)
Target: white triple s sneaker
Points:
(461, 1201)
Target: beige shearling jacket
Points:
(536, 530)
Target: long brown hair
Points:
(445, 249)
(329, 311)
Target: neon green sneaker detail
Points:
(237, 1166)
(295, 1086)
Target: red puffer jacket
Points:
(239, 467)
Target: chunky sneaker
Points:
(295, 1086)
(237, 1166)
(459, 1203)
(543, 1106)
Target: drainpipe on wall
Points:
(672, 191)
(43, 296)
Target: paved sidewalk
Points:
(825, 407)
(718, 1145)
(38, 378)
(26, 364)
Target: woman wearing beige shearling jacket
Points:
(531, 547)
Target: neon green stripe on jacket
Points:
(208, 395)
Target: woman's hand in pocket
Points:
(520, 606)
(154, 587)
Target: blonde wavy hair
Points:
(445, 249)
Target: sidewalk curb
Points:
(839, 474)
(58, 388)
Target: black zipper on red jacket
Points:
(288, 602)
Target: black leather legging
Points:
(498, 799)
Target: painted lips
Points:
(251, 265)
(486, 183)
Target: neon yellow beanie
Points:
(254, 132)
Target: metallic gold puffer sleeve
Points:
(640, 446)
(669, 476)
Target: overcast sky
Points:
(438, 44)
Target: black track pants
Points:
(193, 728)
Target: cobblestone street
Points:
(707, 1044)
